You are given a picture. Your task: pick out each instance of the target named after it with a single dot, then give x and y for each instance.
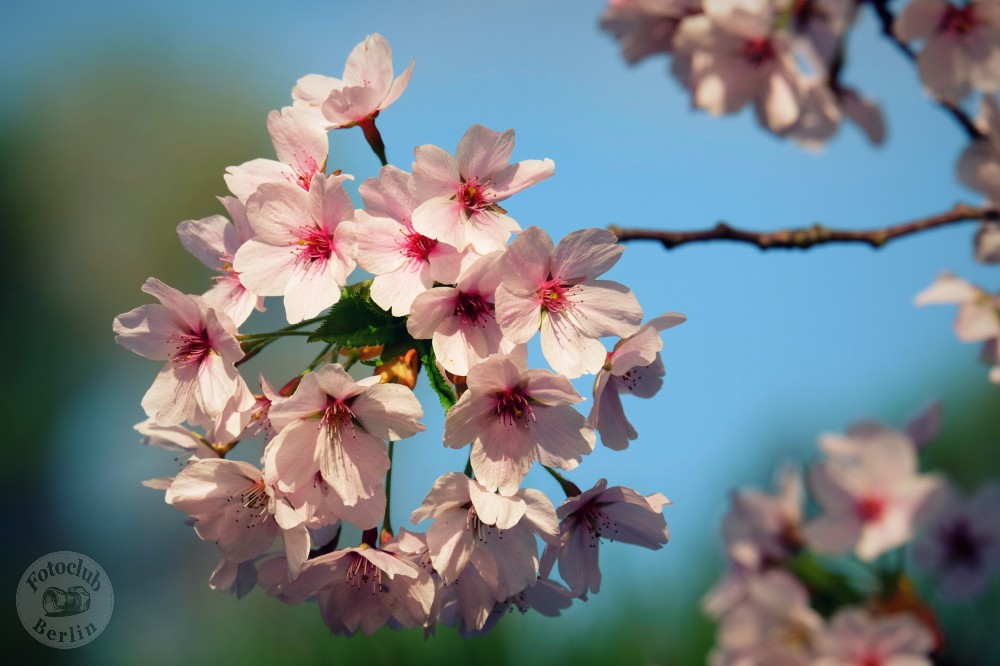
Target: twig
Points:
(804, 238)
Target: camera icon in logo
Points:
(60, 603)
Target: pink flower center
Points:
(336, 413)
(554, 295)
(597, 523)
(418, 247)
(869, 658)
(958, 20)
(304, 170)
(472, 309)
(477, 527)
(473, 195)
(362, 572)
(758, 51)
(314, 245)
(252, 505)
(513, 406)
(191, 347)
(870, 508)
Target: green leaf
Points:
(356, 321)
(437, 380)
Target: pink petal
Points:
(586, 253)
(205, 239)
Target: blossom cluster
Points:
(786, 57)
(458, 289)
(787, 599)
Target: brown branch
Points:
(887, 19)
(804, 238)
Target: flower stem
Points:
(568, 486)
(374, 137)
(387, 519)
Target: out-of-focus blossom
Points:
(646, 27)
(739, 56)
(553, 288)
(762, 530)
(961, 45)
(872, 500)
(460, 196)
(823, 109)
(856, 638)
(961, 545)
(514, 416)
(633, 367)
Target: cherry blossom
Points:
(872, 501)
(616, 514)
(762, 530)
(856, 638)
(214, 241)
(365, 90)
(961, 545)
(514, 416)
(633, 367)
(233, 505)
(337, 427)
(200, 348)
(460, 196)
(301, 145)
(304, 245)
(553, 288)
(739, 56)
(461, 320)
(961, 45)
(404, 262)
(646, 27)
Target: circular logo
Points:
(65, 599)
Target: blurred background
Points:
(117, 121)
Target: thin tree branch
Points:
(887, 19)
(803, 238)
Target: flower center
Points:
(958, 20)
(598, 524)
(758, 51)
(472, 308)
(305, 169)
(418, 247)
(870, 658)
(362, 572)
(314, 245)
(336, 413)
(473, 195)
(554, 295)
(870, 508)
(191, 347)
(482, 531)
(252, 505)
(513, 406)
(962, 546)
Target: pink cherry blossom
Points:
(856, 638)
(460, 195)
(239, 578)
(773, 625)
(961, 45)
(338, 427)
(634, 368)
(872, 500)
(615, 514)
(200, 347)
(303, 246)
(762, 530)
(178, 439)
(301, 145)
(819, 25)
(214, 241)
(646, 27)
(961, 545)
(365, 90)
(478, 532)
(739, 56)
(553, 288)
(979, 164)
(362, 589)
(823, 109)
(461, 320)
(978, 315)
(404, 262)
(514, 416)
(233, 505)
